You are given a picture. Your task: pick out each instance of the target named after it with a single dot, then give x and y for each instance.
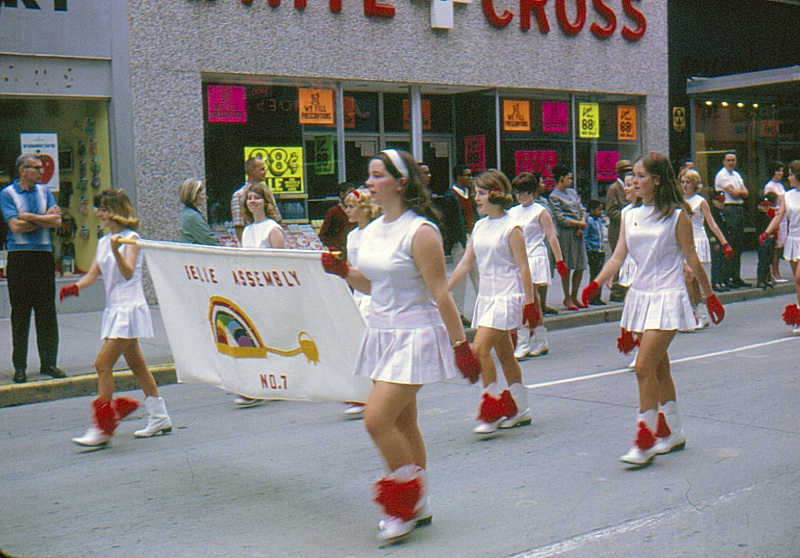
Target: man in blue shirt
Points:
(30, 211)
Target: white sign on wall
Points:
(46, 146)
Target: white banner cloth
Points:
(268, 324)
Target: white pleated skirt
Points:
(502, 312)
(420, 355)
(791, 249)
(127, 322)
(665, 310)
(702, 248)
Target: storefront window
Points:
(77, 132)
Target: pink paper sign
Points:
(475, 153)
(606, 164)
(227, 104)
(555, 117)
(537, 161)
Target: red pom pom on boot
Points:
(105, 423)
(124, 406)
(400, 495)
(492, 410)
(509, 405)
(643, 449)
(791, 315)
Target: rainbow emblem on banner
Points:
(236, 336)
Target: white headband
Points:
(397, 161)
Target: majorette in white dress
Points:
(528, 218)
(500, 294)
(353, 246)
(657, 299)
(791, 247)
(406, 341)
(126, 315)
(256, 235)
(627, 272)
(701, 244)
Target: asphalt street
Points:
(293, 479)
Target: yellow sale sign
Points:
(284, 167)
(589, 120)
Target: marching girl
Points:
(701, 213)
(505, 299)
(360, 210)
(536, 222)
(126, 318)
(790, 209)
(414, 334)
(658, 235)
(261, 232)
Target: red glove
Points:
(530, 315)
(467, 362)
(562, 269)
(335, 264)
(728, 251)
(715, 309)
(761, 238)
(67, 291)
(626, 342)
(589, 292)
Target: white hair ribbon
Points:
(397, 161)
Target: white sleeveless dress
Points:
(627, 272)
(701, 244)
(527, 217)
(256, 235)
(500, 294)
(406, 341)
(353, 246)
(126, 315)
(657, 299)
(791, 246)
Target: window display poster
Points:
(626, 123)
(537, 161)
(316, 106)
(606, 165)
(284, 167)
(555, 117)
(227, 104)
(475, 153)
(589, 120)
(323, 154)
(426, 114)
(516, 116)
(45, 145)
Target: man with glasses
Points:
(462, 230)
(30, 211)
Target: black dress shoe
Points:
(53, 372)
(550, 311)
(720, 287)
(20, 377)
(597, 302)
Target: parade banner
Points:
(269, 324)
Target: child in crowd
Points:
(595, 243)
(505, 301)
(766, 213)
(126, 318)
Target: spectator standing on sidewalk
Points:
(729, 182)
(256, 170)
(335, 225)
(776, 186)
(460, 231)
(595, 246)
(31, 212)
(615, 201)
(570, 218)
(194, 229)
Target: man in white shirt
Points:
(729, 182)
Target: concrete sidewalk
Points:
(80, 342)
